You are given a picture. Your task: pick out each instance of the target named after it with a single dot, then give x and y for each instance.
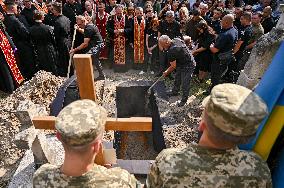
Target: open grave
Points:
(133, 100)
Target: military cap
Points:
(235, 109)
(81, 122)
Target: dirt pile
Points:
(41, 89)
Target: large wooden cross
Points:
(85, 80)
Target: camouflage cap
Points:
(81, 122)
(235, 109)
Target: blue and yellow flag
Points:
(271, 90)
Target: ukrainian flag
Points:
(271, 90)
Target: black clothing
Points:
(216, 25)
(21, 38)
(44, 41)
(163, 61)
(92, 32)
(153, 37)
(238, 3)
(23, 19)
(267, 24)
(207, 18)
(179, 52)
(109, 8)
(153, 58)
(225, 42)
(71, 11)
(190, 28)
(237, 23)
(173, 31)
(49, 19)
(182, 78)
(148, 23)
(246, 35)
(7, 83)
(170, 29)
(218, 70)
(204, 58)
(29, 14)
(95, 45)
(62, 37)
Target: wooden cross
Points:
(85, 80)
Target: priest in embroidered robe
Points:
(21, 38)
(101, 22)
(118, 30)
(139, 32)
(10, 74)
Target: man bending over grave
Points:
(231, 117)
(80, 128)
(93, 43)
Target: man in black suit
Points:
(44, 42)
(71, 9)
(28, 12)
(49, 18)
(62, 37)
(267, 21)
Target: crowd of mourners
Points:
(41, 33)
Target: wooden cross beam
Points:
(85, 76)
(119, 124)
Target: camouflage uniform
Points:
(197, 166)
(234, 110)
(79, 124)
(257, 32)
(50, 176)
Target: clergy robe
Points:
(118, 41)
(101, 22)
(45, 46)
(62, 37)
(21, 38)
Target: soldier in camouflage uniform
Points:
(231, 116)
(257, 32)
(80, 127)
